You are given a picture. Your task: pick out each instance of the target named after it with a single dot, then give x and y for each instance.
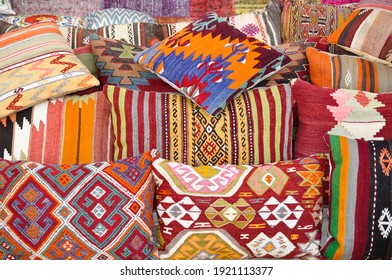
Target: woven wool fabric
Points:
(255, 128)
(114, 60)
(37, 64)
(299, 65)
(339, 2)
(302, 20)
(360, 208)
(113, 16)
(6, 8)
(60, 20)
(240, 211)
(69, 7)
(233, 62)
(86, 56)
(350, 72)
(66, 130)
(367, 32)
(263, 24)
(101, 210)
(139, 33)
(354, 114)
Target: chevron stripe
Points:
(116, 16)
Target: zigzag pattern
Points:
(116, 16)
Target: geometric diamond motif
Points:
(221, 213)
(289, 211)
(91, 217)
(67, 246)
(32, 213)
(272, 178)
(385, 160)
(184, 211)
(278, 246)
(385, 223)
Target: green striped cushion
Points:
(360, 220)
(255, 128)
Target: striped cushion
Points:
(138, 33)
(360, 206)
(37, 64)
(351, 113)
(60, 20)
(255, 128)
(367, 32)
(113, 16)
(350, 72)
(71, 130)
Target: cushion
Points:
(255, 128)
(6, 8)
(138, 33)
(302, 20)
(114, 60)
(67, 130)
(60, 20)
(111, 16)
(367, 32)
(86, 56)
(233, 62)
(263, 24)
(239, 211)
(299, 65)
(350, 113)
(347, 71)
(6, 27)
(384, 2)
(76, 8)
(37, 64)
(359, 212)
(101, 210)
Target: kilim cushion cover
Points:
(60, 20)
(232, 63)
(255, 128)
(350, 113)
(67, 130)
(85, 54)
(113, 16)
(138, 33)
(6, 8)
(299, 65)
(36, 64)
(302, 20)
(350, 72)
(114, 60)
(360, 206)
(263, 24)
(339, 2)
(100, 210)
(367, 32)
(240, 211)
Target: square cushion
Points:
(67, 130)
(36, 64)
(240, 211)
(114, 60)
(351, 113)
(360, 206)
(367, 32)
(348, 71)
(263, 24)
(101, 210)
(111, 16)
(301, 19)
(255, 128)
(232, 63)
(86, 56)
(144, 34)
(299, 65)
